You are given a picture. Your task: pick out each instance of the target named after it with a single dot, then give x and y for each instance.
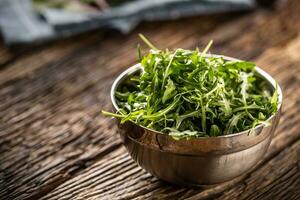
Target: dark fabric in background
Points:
(21, 24)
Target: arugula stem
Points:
(207, 48)
(147, 41)
(167, 70)
(112, 114)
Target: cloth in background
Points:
(21, 24)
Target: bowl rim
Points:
(260, 71)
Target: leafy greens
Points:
(185, 93)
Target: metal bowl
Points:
(198, 161)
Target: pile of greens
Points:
(186, 94)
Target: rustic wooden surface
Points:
(54, 143)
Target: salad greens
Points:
(185, 93)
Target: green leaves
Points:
(214, 130)
(177, 135)
(185, 94)
(274, 99)
(169, 92)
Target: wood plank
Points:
(278, 179)
(125, 180)
(127, 188)
(51, 123)
(5, 56)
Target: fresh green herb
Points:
(186, 94)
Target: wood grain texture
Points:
(54, 143)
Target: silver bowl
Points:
(198, 161)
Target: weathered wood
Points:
(5, 56)
(55, 144)
(44, 122)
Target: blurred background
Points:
(38, 21)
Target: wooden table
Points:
(55, 144)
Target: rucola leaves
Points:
(187, 93)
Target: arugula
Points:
(186, 94)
